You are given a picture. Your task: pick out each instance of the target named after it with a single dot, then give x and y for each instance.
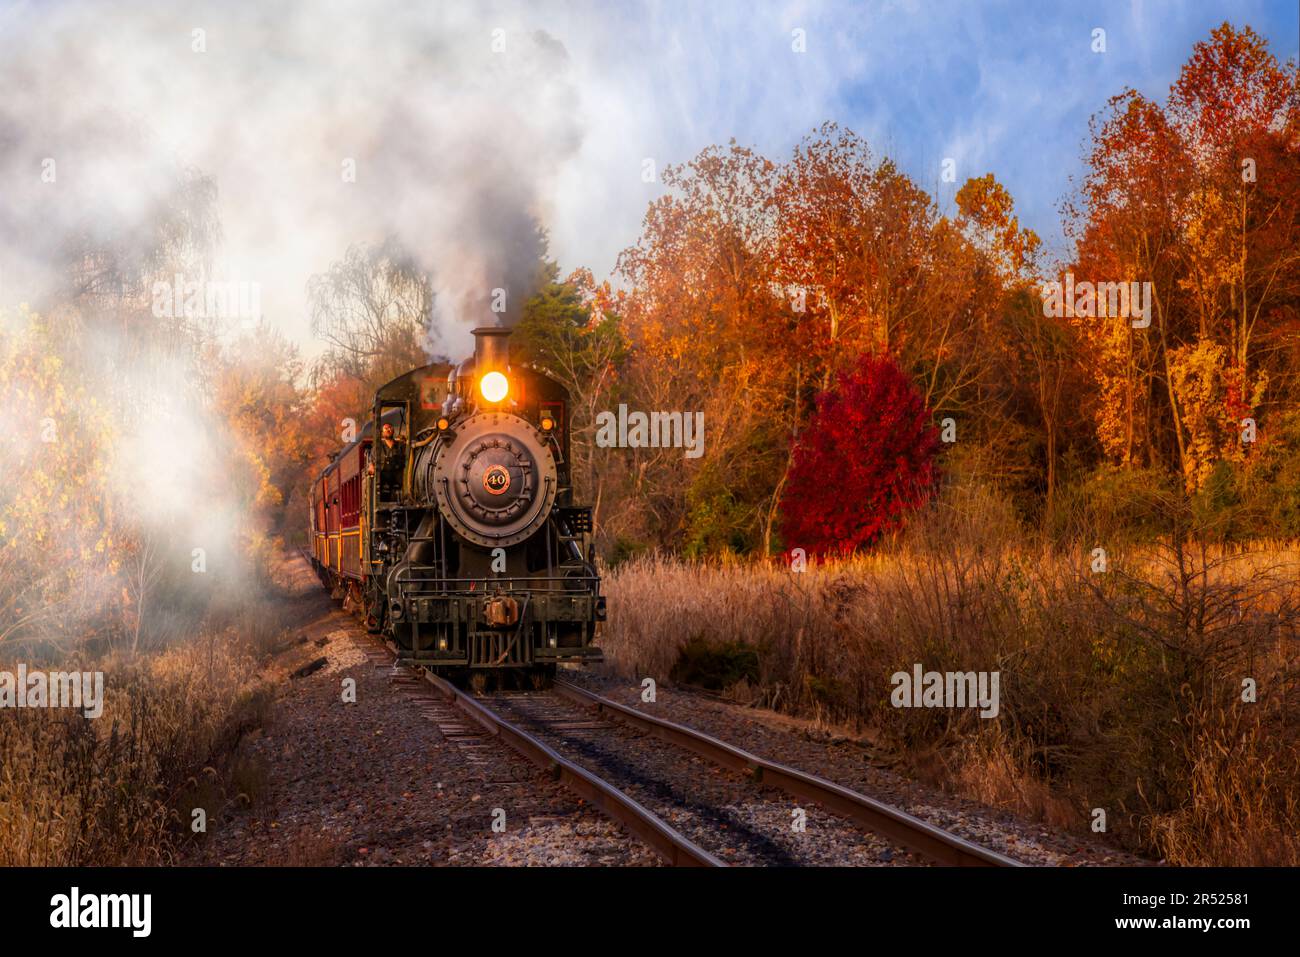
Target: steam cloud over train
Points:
(450, 519)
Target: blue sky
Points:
(464, 118)
(1002, 87)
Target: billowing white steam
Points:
(318, 126)
(322, 125)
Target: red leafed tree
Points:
(866, 460)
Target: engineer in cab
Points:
(391, 454)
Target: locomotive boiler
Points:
(450, 519)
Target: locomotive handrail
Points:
(418, 594)
(527, 579)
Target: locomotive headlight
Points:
(494, 386)
(444, 424)
(548, 423)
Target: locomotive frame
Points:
(463, 544)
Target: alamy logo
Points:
(654, 430)
(208, 299)
(1087, 300)
(103, 910)
(946, 689)
(54, 689)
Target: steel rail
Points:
(675, 848)
(889, 822)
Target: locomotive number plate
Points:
(496, 479)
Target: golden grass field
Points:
(120, 789)
(1120, 690)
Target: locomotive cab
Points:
(389, 462)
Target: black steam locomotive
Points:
(450, 519)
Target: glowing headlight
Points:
(494, 386)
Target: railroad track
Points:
(566, 732)
(674, 847)
(543, 728)
(930, 842)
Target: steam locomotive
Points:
(450, 522)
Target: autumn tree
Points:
(1047, 394)
(1035, 383)
(875, 267)
(710, 331)
(754, 283)
(571, 330)
(878, 268)
(259, 399)
(373, 308)
(338, 406)
(1199, 198)
(58, 548)
(988, 209)
(867, 459)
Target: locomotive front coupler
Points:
(501, 611)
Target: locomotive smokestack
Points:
(491, 349)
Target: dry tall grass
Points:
(120, 789)
(1119, 690)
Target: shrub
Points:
(715, 666)
(1114, 506)
(866, 460)
(119, 789)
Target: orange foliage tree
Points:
(1201, 198)
(57, 541)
